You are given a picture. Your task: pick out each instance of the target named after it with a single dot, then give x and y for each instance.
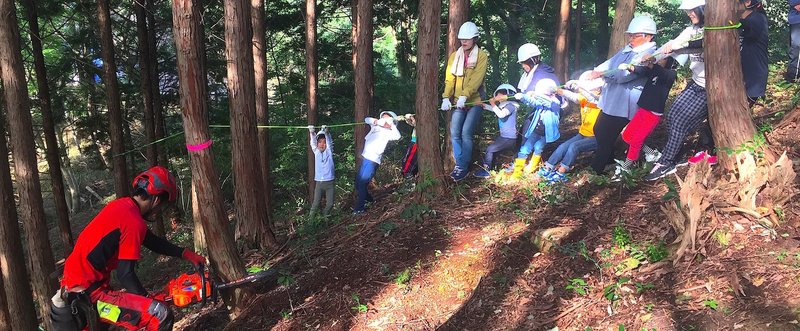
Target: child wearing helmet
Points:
(506, 112)
(382, 131)
(113, 240)
(464, 75)
(541, 125)
(622, 89)
(584, 93)
(322, 147)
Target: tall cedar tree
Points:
(12, 266)
(312, 79)
(561, 58)
(623, 17)
(601, 13)
(210, 212)
(20, 125)
(728, 112)
(251, 212)
(158, 111)
(121, 180)
(262, 99)
(52, 153)
(578, 29)
(362, 61)
(430, 160)
(457, 14)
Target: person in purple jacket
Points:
(793, 67)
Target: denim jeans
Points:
(535, 143)
(568, 151)
(793, 67)
(462, 128)
(363, 178)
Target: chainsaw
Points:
(198, 287)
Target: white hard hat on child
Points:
(508, 89)
(545, 87)
(691, 4)
(527, 51)
(468, 30)
(642, 24)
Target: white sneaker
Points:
(652, 157)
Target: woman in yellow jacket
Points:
(464, 74)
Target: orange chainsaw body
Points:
(186, 289)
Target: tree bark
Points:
(430, 160)
(457, 14)
(262, 100)
(144, 81)
(514, 42)
(12, 266)
(603, 39)
(31, 207)
(561, 56)
(52, 153)
(121, 180)
(199, 235)
(188, 34)
(622, 17)
(363, 72)
(491, 48)
(403, 50)
(251, 212)
(578, 28)
(312, 79)
(728, 112)
(155, 86)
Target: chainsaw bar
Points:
(246, 280)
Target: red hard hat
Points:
(155, 181)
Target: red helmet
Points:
(155, 181)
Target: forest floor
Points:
(473, 260)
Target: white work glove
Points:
(446, 104)
(460, 102)
(324, 128)
(311, 128)
(625, 66)
(518, 96)
(487, 107)
(571, 85)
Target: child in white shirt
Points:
(382, 131)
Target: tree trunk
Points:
(188, 34)
(251, 213)
(601, 11)
(20, 127)
(457, 14)
(578, 28)
(622, 17)
(403, 49)
(491, 48)
(262, 100)
(155, 86)
(199, 235)
(144, 83)
(311, 83)
(363, 72)
(121, 180)
(514, 42)
(728, 112)
(53, 158)
(5, 317)
(561, 56)
(430, 160)
(12, 266)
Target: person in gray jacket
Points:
(793, 67)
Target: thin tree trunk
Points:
(53, 159)
(262, 100)
(31, 207)
(578, 28)
(430, 160)
(12, 265)
(5, 317)
(622, 17)
(199, 235)
(155, 86)
(363, 72)
(121, 180)
(311, 82)
(514, 42)
(144, 82)
(561, 58)
(728, 112)
(403, 49)
(491, 48)
(251, 212)
(457, 14)
(603, 38)
(188, 34)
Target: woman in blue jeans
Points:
(464, 74)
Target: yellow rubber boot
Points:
(519, 165)
(531, 167)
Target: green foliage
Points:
(711, 303)
(643, 287)
(672, 192)
(620, 235)
(656, 252)
(387, 228)
(754, 147)
(579, 286)
(359, 307)
(612, 292)
(403, 277)
(285, 279)
(417, 212)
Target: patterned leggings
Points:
(686, 115)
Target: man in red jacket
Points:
(113, 240)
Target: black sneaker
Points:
(660, 170)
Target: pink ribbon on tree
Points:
(200, 146)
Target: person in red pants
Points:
(113, 241)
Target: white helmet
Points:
(527, 51)
(545, 87)
(642, 24)
(508, 88)
(691, 4)
(468, 30)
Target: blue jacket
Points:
(547, 113)
(794, 16)
(620, 94)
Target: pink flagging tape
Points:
(199, 147)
